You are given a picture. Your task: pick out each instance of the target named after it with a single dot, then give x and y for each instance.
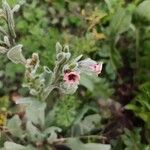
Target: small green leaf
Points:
(13, 146)
(14, 126)
(51, 134)
(15, 55)
(143, 11)
(76, 144)
(88, 124)
(120, 22)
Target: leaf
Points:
(3, 50)
(13, 146)
(34, 133)
(11, 70)
(50, 117)
(37, 108)
(59, 48)
(79, 126)
(10, 19)
(120, 22)
(25, 100)
(3, 31)
(132, 139)
(86, 80)
(111, 69)
(88, 124)
(131, 107)
(97, 86)
(2, 14)
(51, 134)
(14, 126)
(143, 11)
(76, 144)
(15, 55)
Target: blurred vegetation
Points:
(116, 32)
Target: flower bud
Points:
(90, 66)
(58, 48)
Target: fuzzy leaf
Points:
(13, 146)
(37, 108)
(3, 50)
(33, 132)
(87, 125)
(76, 144)
(14, 126)
(15, 55)
(143, 11)
(51, 134)
(10, 19)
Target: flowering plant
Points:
(36, 129)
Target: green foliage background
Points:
(122, 41)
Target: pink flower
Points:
(96, 68)
(90, 66)
(72, 78)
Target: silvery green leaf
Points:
(10, 19)
(37, 108)
(13, 146)
(21, 2)
(63, 57)
(51, 114)
(47, 91)
(68, 88)
(76, 130)
(14, 126)
(76, 144)
(93, 146)
(67, 55)
(2, 14)
(2, 31)
(58, 48)
(34, 133)
(66, 49)
(78, 58)
(46, 76)
(87, 81)
(3, 50)
(33, 92)
(60, 56)
(25, 100)
(51, 134)
(16, 8)
(87, 125)
(15, 55)
(6, 40)
(96, 84)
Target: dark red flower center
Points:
(72, 77)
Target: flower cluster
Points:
(72, 78)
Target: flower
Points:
(96, 68)
(72, 78)
(71, 82)
(90, 66)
